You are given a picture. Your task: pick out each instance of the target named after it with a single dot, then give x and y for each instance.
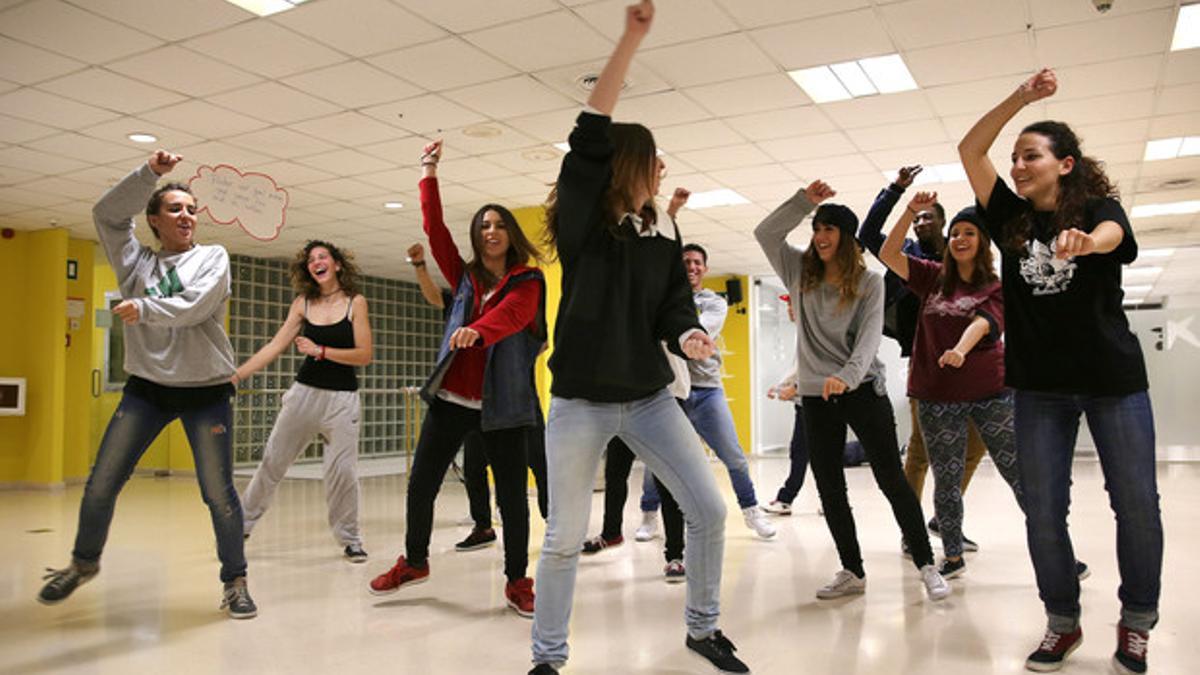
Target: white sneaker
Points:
(757, 521)
(778, 508)
(844, 583)
(649, 528)
(935, 584)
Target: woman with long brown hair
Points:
(483, 382)
(624, 293)
(329, 325)
(1070, 353)
(838, 305)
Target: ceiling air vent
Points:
(587, 82)
(1178, 183)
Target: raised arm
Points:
(612, 78)
(114, 212)
(441, 243)
(892, 251)
(276, 346)
(870, 234)
(973, 149)
(677, 201)
(429, 289)
(772, 232)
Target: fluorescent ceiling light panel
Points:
(142, 138)
(1190, 146)
(1157, 253)
(1170, 148)
(712, 198)
(889, 73)
(854, 79)
(265, 7)
(821, 85)
(1187, 28)
(1167, 209)
(1141, 273)
(1137, 290)
(564, 146)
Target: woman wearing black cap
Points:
(957, 366)
(839, 323)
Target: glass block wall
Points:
(406, 332)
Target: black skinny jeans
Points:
(618, 463)
(475, 475)
(872, 419)
(446, 424)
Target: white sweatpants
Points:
(306, 412)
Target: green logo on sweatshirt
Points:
(167, 287)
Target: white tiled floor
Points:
(154, 607)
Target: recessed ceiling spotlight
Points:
(139, 137)
(393, 205)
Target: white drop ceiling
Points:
(335, 98)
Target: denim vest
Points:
(509, 397)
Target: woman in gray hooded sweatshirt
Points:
(179, 362)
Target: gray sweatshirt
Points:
(830, 339)
(712, 310)
(179, 339)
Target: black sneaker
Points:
(476, 540)
(952, 568)
(1081, 570)
(968, 544)
(1054, 650)
(62, 583)
(543, 669)
(237, 602)
(355, 553)
(719, 651)
(1130, 657)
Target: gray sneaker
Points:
(844, 583)
(62, 583)
(237, 602)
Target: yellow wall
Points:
(735, 357)
(533, 224)
(78, 386)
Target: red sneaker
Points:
(401, 574)
(520, 596)
(1053, 651)
(1130, 657)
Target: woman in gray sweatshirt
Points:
(179, 362)
(838, 305)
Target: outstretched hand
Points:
(818, 191)
(678, 200)
(162, 161)
(1042, 85)
(639, 17)
(905, 176)
(416, 253)
(432, 154)
(922, 201)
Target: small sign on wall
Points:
(72, 269)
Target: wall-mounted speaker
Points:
(733, 291)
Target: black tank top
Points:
(326, 374)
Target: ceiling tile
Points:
(840, 37)
(349, 128)
(521, 95)
(359, 27)
(926, 155)
(405, 151)
(1048, 13)
(675, 21)
(752, 175)
(481, 139)
(1097, 79)
(67, 187)
(1112, 108)
(445, 64)
(503, 188)
(346, 162)
(41, 162)
(549, 127)
(781, 123)
(204, 119)
(39, 106)
(870, 110)
(1111, 38)
(733, 156)
(965, 20)
(727, 57)
(755, 13)
(537, 160)
(396, 181)
(243, 46)
(975, 97)
(108, 90)
(77, 146)
(655, 110)
(424, 114)
(274, 103)
(73, 32)
(1182, 67)
(563, 38)
(23, 197)
(1178, 99)
(118, 130)
(182, 70)
(749, 95)
(808, 147)
(903, 135)
(27, 65)
(462, 16)
(1166, 126)
(343, 188)
(830, 167)
(1008, 55)
(212, 153)
(569, 80)
(696, 135)
(353, 85)
(13, 130)
(281, 142)
(287, 174)
(184, 19)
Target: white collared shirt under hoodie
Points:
(179, 339)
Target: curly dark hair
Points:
(1086, 181)
(304, 284)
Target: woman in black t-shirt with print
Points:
(1063, 237)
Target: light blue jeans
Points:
(709, 414)
(657, 431)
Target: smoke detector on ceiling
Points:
(1177, 183)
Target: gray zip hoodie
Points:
(179, 339)
(830, 339)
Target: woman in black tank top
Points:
(327, 322)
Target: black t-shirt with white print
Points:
(1066, 330)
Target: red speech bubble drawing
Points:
(251, 200)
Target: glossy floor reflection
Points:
(153, 608)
